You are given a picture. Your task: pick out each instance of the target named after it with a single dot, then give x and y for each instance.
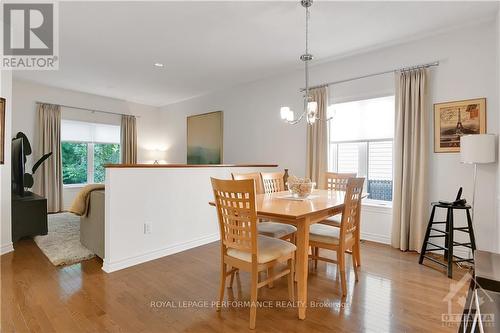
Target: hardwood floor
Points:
(394, 294)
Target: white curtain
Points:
(411, 153)
(48, 178)
(317, 139)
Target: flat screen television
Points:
(18, 166)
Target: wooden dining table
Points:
(280, 207)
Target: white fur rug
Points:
(62, 243)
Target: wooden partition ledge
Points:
(191, 165)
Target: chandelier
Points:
(310, 111)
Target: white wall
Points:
(150, 134)
(254, 132)
(5, 172)
(174, 201)
(25, 94)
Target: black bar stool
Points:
(447, 234)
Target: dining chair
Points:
(336, 182)
(241, 247)
(273, 181)
(259, 187)
(270, 228)
(344, 238)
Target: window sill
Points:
(75, 186)
(377, 206)
(377, 203)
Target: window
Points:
(360, 141)
(74, 162)
(86, 148)
(104, 153)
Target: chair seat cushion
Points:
(333, 221)
(275, 229)
(325, 234)
(268, 249)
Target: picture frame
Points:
(457, 118)
(205, 138)
(2, 130)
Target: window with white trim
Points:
(85, 149)
(361, 141)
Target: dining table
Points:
(283, 207)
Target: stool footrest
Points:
(441, 231)
(432, 250)
(469, 245)
(437, 246)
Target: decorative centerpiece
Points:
(300, 187)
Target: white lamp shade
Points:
(287, 114)
(312, 106)
(477, 148)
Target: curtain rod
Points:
(430, 64)
(90, 110)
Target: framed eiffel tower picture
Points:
(454, 119)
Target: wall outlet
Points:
(148, 226)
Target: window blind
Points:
(79, 131)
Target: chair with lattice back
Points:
(259, 187)
(345, 238)
(273, 181)
(241, 247)
(270, 228)
(336, 182)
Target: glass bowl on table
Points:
(300, 187)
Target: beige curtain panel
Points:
(317, 139)
(48, 178)
(129, 140)
(411, 154)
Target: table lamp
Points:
(477, 149)
(157, 155)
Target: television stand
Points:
(29, 215)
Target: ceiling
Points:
(109, 48)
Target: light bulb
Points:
(312, 108)
(311, 118)
(284, 112)
(290, 116)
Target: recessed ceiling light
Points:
(159, 65)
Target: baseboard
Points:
(460, 252)
(110, 267)
(456, 252)
(377, 238)
(4, 249)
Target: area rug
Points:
(62, 243)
